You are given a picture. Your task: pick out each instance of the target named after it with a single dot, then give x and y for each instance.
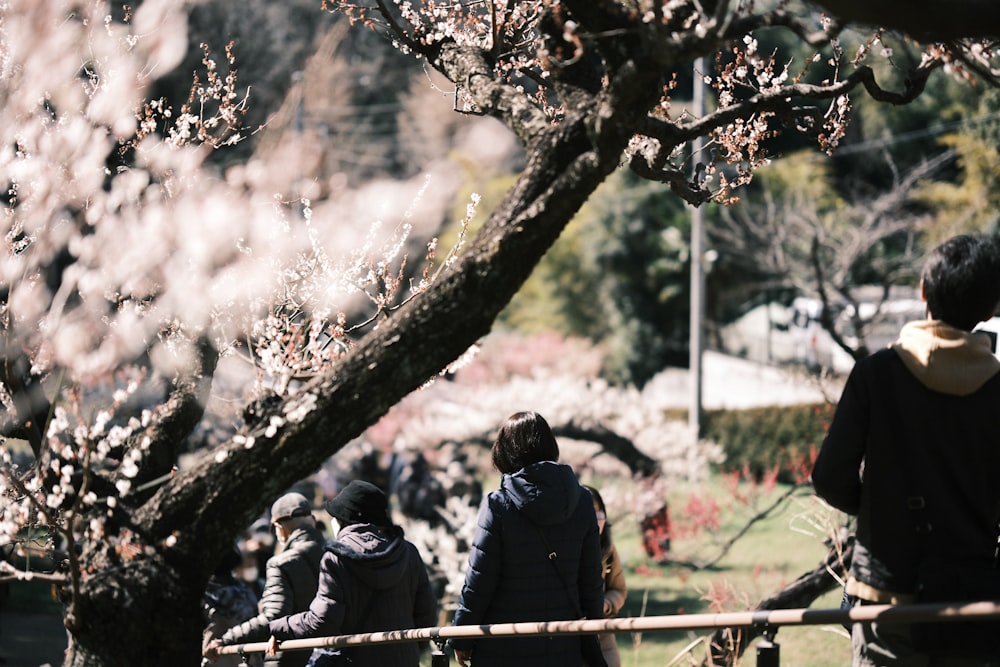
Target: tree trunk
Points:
(145, 612)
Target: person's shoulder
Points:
(299, 552)
(881, 357)
(284, 558)
(498, 499)
(878, 362)
(412, 551)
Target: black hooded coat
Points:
(510, 577)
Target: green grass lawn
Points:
(773, 552)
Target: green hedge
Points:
(781, 440)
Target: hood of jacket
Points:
(946, 359)
(375, 555)
(546, 492)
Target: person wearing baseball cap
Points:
(371, 580)
(291, 580)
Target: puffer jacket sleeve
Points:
(615, 589)
(483, 572)
(325, 615)
(274, 603)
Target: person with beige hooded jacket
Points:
(914, 452)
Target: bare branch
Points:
(44, 577)
(744, 529)
(729, 644)
(743, 25)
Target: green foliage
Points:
(780, 440)
(970, 202)
(617, 277)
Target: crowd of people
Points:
(912, 452)
(370, 578)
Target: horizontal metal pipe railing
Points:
(773, 618)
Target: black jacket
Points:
(510, 578)
(914, 452)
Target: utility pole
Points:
(697, 267)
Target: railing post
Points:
(439, 656)
(768, 651)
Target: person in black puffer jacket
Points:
(540, 507)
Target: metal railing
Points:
(767, 621)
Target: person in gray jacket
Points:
(291, 580)
(372, 580)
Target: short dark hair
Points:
(524, 438)
(961, 280)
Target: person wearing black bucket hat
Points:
(371, 580)
(360, 502)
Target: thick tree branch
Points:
(744, 25)
(785, 102)
(611, 442)
(469, 68)
(177, 417)
(930, 20)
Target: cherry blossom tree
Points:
(133, 272)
